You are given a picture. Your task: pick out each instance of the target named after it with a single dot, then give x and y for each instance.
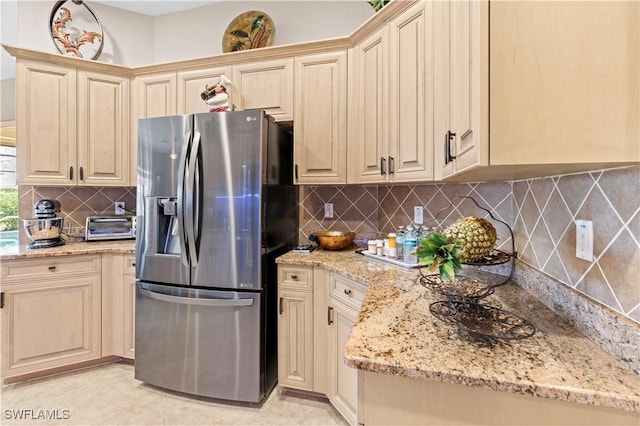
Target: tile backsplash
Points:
(541, 213)
(76, 202)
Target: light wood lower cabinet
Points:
(118, 305)
(318, 309)
(129, 306)
(51, 315)
(295, 327)
(343, 380)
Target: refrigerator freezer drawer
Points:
(202, 342)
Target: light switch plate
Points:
(119, 207)
(584, 239)
(418, 215)
(328, 210)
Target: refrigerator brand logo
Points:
(246, 285)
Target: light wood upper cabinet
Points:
(461, 139)
(46, 123)
(368, 114)
(103, 129)
(267, 85)
(391, 106)
(192, 83)
(411, 94)
(565, 82)
(73, 126)
(320, 127)
(154, 96)
(559, 82)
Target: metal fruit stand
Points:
(462, 307)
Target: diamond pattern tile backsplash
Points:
(541, 213)
(76, 202)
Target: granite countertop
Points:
(70, 248)
(396, 334)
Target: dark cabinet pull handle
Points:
(330, 315)
(2, 300)
(296, 171)
(81, 173)
(133, 264)
(382, 166)
(294, 277)
(52, 268)
(347, 292)
(448, 137)
(390, 169)
(280, 306)
(71, 173)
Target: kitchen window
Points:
(8, 188)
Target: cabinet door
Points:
(129, 308)
(46, 124)
(411, 94)
(154, 96)
(565, 82)
(344, 380)
(47, 324)
(267, 85)
(369, 110)
(192, 83)
(461, 84)
(103, 129)
(319, 130)
(295, 339)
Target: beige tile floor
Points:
(109, 395)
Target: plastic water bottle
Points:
(410, 246)
(400, 243)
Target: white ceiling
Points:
(154, 7)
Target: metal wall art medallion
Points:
(81, 36)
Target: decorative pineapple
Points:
(477, 237)
(466, 240)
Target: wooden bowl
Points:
(333, 240)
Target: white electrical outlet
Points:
(418, 215)
(584, 239)
(119, 207)
(328, 210)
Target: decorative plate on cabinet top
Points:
(249, 30)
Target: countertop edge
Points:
(344, 264)
(569, 394)
(69, 249)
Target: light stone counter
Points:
(396, 334)
(70, 248)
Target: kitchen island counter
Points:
(395, 334)
(69, 249)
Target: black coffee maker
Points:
(45, 228)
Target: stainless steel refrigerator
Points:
(216, 206)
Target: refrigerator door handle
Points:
(180, 201)
(190, 204)
(195, 301)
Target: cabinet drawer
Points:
(347, 291)
(130, 265)
(298, 277)
(46, 268)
